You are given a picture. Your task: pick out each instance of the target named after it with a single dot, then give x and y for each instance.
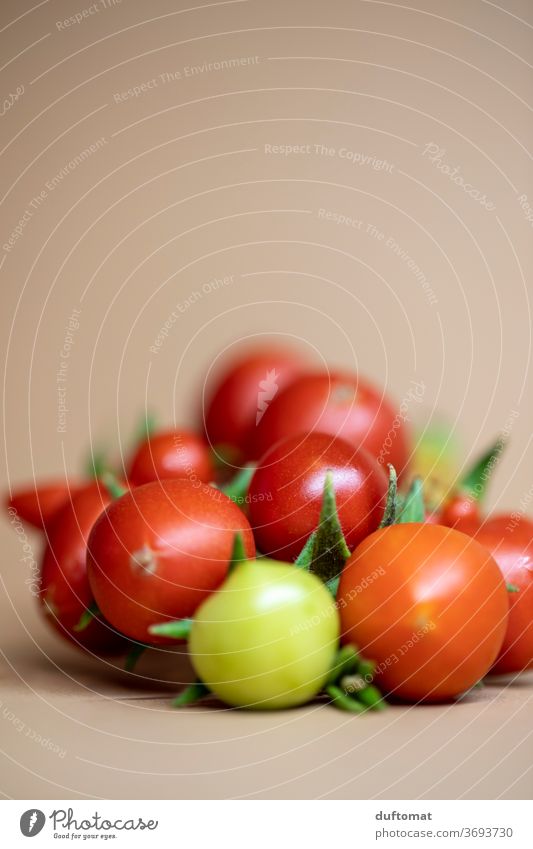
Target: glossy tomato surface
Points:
(285, 495)
(268, 638)
(237, 400)
(39, 505)
(158, 551)
(171, 454)
(65, 592)
(511, 544)
(342, 405)
(429, 605)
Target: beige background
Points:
(182, 190)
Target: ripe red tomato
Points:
(511, 545)
(65, 592)
(240, 396)
(158, 551)
(286, 491)
(461, 511)
(342, 405)
(171, 454)
(39, 505)
(429, 605)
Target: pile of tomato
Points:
(289, 544)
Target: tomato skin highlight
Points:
(267, 639)
(171, 454)
(235, 401)
(38, 505)
(434, 590)
(64, 591)
(285, 495)
(158, 551)
(512, 549)
(342, 405)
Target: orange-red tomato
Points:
(342, 405)
(511, 544)
(158, 551)
(171, 454)
(428, 604)
(461, 511)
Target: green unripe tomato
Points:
(267, 638)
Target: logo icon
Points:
(268, 388)
(32, 822)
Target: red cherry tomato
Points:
(511, 545)
(158, 551)
(239, 398)
(429, 605)
(39, 505)
(342, 405)
(286, 491)
(65, 592)
(461, 511)
(171, 454)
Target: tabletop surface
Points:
(77, 727)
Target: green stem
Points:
(114, 488)
(391, 506)
(238, 553)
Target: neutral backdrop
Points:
(354, 177)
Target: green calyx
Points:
(474, 481)
(90, 613)
(326, 551)
(349, 684)
(178, 629)
(413, 508)
(113, 488)
(237, 488)
(191, 694)
(130, 661)
(391, 505)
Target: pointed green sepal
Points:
(87, 617)
(391, 505)
(474, 482)
(191, 694)
(340, 700)
(179, 629)
(113, 487)
(413, 509)
(237, 488)
(346, 661)
(325, 551)
(238, 554)
(130, 661)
